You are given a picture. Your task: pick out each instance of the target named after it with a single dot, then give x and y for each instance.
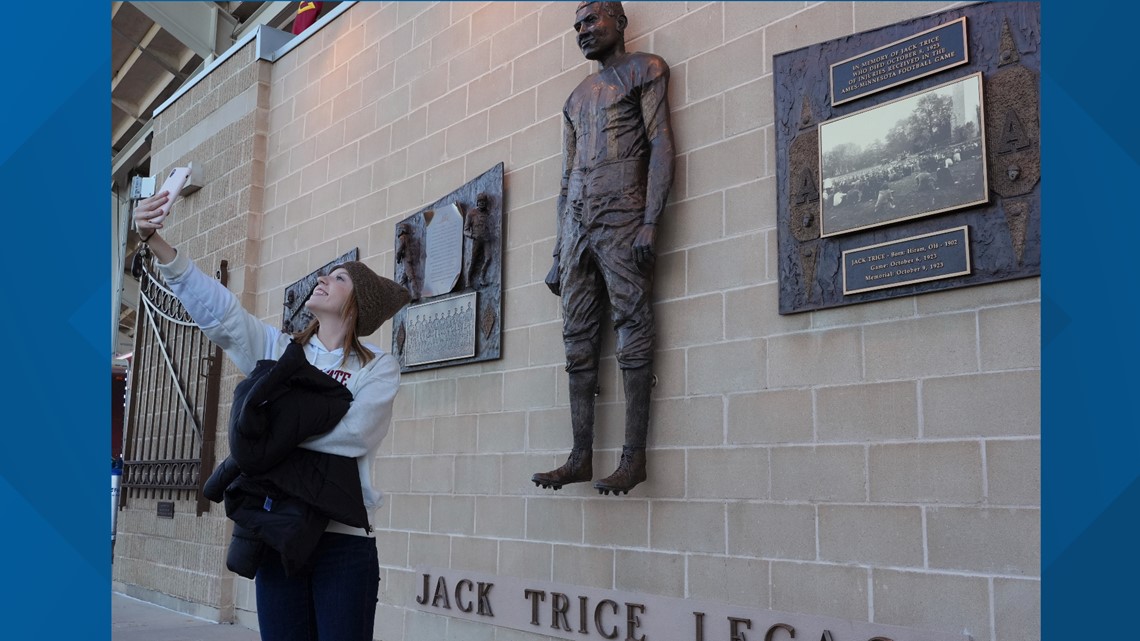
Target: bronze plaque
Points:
(908, 59)
(942, 254)
(450, 258)
(1015, 156)
(440, 330)
(974, 164)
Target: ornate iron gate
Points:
(173, 407)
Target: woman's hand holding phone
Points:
(150, 212)
(173, 187)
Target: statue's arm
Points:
(659, 132)
(662, 158)
(569, 150)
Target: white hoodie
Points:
(246, 340)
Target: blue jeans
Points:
(336, 602)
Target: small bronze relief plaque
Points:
(917, 259)
(803, 160)
(166, 509)
(1012, 103)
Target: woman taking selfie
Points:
(335, 599)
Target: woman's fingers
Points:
(149, 208)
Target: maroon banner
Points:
(307, 14)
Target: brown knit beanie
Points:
(377, 298)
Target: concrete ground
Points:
(135, 620)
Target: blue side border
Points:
(1090, 434)
(54, 465)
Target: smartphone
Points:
(173, 186)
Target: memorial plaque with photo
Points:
(944, 136)
(450, 257)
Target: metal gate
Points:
(173, 408)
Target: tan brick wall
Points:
(219, 125)
(878, 462)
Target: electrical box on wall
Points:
(142, 187)
(193, 183)
(145, 186)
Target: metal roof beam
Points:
(201, 26)
(141, 50)
(128, 108)
(270, 14)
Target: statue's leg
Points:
(630, 287)
(581, 321)
(638, 384)
(578, 468)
